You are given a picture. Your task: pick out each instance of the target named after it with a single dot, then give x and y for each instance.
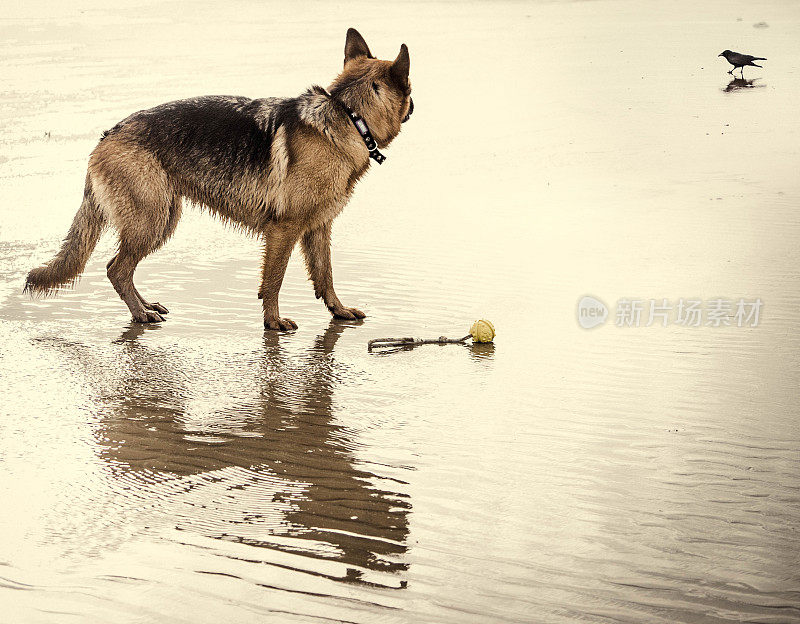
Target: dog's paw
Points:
(279, 324)
(148, 316)
(350, 314)
(156, 307)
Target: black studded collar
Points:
(363, 130)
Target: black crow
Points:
(740, 60)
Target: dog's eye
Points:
(375, 87)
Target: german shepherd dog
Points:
(282, 168)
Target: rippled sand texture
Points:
(204, 471)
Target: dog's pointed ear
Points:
(401, 66)
(355, 46)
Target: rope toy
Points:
(481, 331)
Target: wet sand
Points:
(205, 471)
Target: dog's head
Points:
(379, 91)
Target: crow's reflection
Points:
(273, 464)
(740, 83)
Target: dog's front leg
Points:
(279, 240)
(316, 245)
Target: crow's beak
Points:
(719, 55)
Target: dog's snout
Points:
(410, 109)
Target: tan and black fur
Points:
(282, 168)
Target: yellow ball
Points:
(482, 331)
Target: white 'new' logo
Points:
(591, 312)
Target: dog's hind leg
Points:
(120, 272)
(136, 242)
(172, 222)
(143, 206)
(155, 306)
(316, 245)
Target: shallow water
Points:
(206, 471)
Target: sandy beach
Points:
(204, 470)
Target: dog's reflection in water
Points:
(276, 470)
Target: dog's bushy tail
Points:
(64, 269)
